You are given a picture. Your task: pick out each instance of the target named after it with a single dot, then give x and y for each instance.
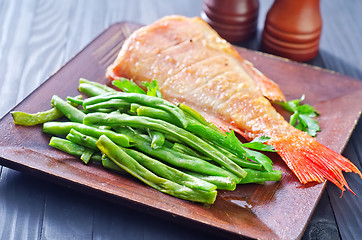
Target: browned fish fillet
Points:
(193, 65)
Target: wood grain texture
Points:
(38, 36)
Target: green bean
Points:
(177, 159)
(105, 127)
(155, 113)
(109, 164)
(217, 137)
(102, 88)
(244, 163)
(168, 144)
(111, 104)
(67, 146)
(198, 117)
(178, 147)
(199, 128)
(103, 110)
(127, 86)
(31, 119)
(165, 127)
(172, 174)
(71, 148)
(133, 108)
(90, 142)
(260, 158)
(255, 176)
(72, 113)
(82, 139)
(123, 160)
(87, 155)
(143, 100)
(165, 116)
(63, 128)
(90, 90)
(28, 119)
(158, 139)
(206, 131)
(222, 183)
(75, 101)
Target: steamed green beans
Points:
(143, 100)
(153, 165)
(197, 116)
(178, 159)
(169, 173)
(255, 176)
(208, 131)
(28, 119)
(165, 127)
(109, 164)
(158, 139)
(127, 86)
(63, 128)
(72, 113)
(225, 183)
(123, 160)
(93, 88)
(170, 148)
(82, 139)
(72, 148)
(111, 104)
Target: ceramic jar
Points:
(292, 29)
(234, 20)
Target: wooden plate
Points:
(276, 210)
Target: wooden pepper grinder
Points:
(292, 29)
(234, 20)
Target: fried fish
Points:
(194, 66)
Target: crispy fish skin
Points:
(193, 65)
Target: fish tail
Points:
(311, 161)
(308, 159)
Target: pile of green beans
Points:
(170, 148)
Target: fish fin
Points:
(311, 161)
(267, 87)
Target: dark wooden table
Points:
(37, 37)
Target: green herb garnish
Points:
(152, 88)
(127, 86)
(302, 116)
(258, 144)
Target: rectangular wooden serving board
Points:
(276, 210)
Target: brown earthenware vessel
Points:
(234, 20)
(293, 29)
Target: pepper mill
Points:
(292, 29)
(234, 20)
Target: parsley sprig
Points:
(302, 116)
(152, 88)
(250, 147)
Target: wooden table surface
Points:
(37, 37)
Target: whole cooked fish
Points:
(193, 65)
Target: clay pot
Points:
(293, 29)
(234, 20)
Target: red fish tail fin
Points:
(311, 161)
